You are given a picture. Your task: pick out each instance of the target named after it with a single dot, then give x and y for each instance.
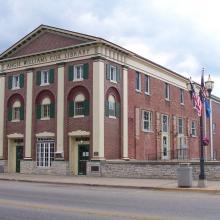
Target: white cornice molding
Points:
(45, 134)
(15, 135)
(79, 133)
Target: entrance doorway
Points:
(83, 157)
(19, 157)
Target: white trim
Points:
(79, 133)
(15, 135)
(2, 111)
(45, 134)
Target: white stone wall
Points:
(154, 170)
(57, 168)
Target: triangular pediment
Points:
(46, 38)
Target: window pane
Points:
(79, 108)
(138, 81)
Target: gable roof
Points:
(14, 49)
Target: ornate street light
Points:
(209, 84)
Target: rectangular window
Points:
(214, 128)
(78, 72)
(138, 81)
(181, 96)
(112, 111)
(45, 152)
(45, 111)
(193, 128)
(147, 121)
(16, 113)
(79, 108)
(147, 85)
(165, 123)
(44, 77)
(16, 82)
(113, 74)
(180, 126)
(167, 91)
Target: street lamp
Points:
(209, 84)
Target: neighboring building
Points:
(67, 98)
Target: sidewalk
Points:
(153, 184)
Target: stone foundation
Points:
(146, 169)
(3, 166)
(58, 167)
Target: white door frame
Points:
(165, 133)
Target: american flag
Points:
(196, 100)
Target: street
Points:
(34, 201)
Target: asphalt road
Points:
(59, 202)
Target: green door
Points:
(19, 156)
(83, 155)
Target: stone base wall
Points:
(3, 166)
(146, 169)
(58, 167)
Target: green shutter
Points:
(117, 109)
(106, 108)
(51, 76)
(52, 110)
(9, 113)
(38, 81)
(9, 82)
(70, 73)
(86, 107)
(71, 108)
(118, 74)
(21, 80)
(38, 112)
(108, 71)
(85, 71)
(22, 113)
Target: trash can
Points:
(184, 175)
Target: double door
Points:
(83, 157)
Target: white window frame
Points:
(45, 111)
(167, 91)
(113, 74)
(193, 128)
(80, 98)
(147, 121)
(147, 84)
(112, 106)
(45, 152)
(138, 74)
(16, 82)
(180, 129)
(181, 96)
(43, 74)
(16, 114)
(75, 73)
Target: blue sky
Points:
(182, 35)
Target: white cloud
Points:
(181, 35)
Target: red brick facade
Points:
(142, 145)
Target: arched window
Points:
(79, 107)
(46, 109)
(112, 106)
(16, 112)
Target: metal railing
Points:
(177, 154)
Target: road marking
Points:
(85, 211)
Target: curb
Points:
(171, 189)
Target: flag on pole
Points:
(197, 101)
(207, 109)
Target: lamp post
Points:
(209, 84)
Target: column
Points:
(60, 112)
(28, 121)
(98, 109)
(2, 98)
(211, 132)
(125, 113)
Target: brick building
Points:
(67, 98)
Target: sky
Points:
(182, 35)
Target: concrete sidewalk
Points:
(153, 184)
